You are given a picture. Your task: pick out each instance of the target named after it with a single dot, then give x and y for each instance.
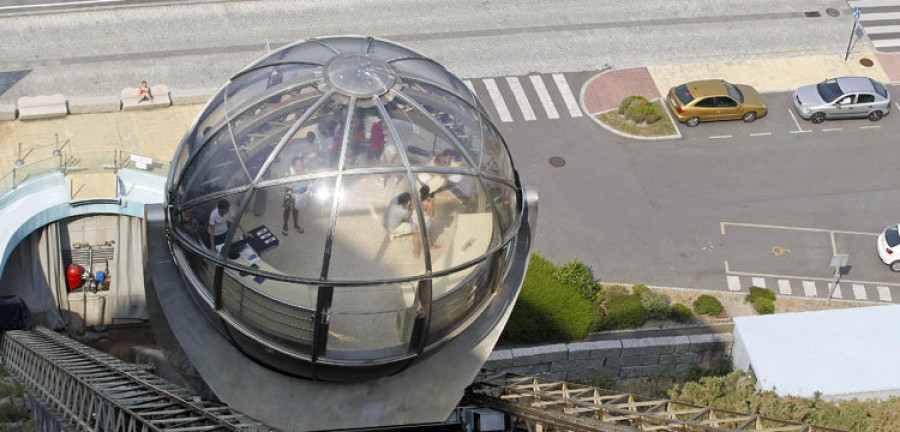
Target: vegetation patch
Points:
(681, 313)
(640, 117)
(578, 276)
(763, 300)
(623, 312)
(708, 305)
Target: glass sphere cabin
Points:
(341, 207)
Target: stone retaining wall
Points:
(624, 358)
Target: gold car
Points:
(710, 100)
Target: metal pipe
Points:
(101, 327)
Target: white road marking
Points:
(758, 282)
(497, 98)
(886, 43)
(799, 129)
(752, 225)
(832, 129)
(878, 16)
(74, 3)
(719, 136)
(538, 83)
(809, 288)
(859, 292)
(784, 286)
(761, 134)
(734, 283)
(869, 127)
(469, 85)
(884, 29)
(837, 291)
(567, 95)
(872, 3)
(521, 98)
(884, 293)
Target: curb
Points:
(610, 129)
(744, 293)
(110, 104)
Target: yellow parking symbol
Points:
(779, 251)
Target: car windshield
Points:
(880, 89)
(734, 92)
(892, 236)
(829, 90)
(684, 95)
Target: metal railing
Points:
(91, 391)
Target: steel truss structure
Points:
(90, 391)
(547, 405)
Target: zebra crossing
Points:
(881, 21)
(527, 98)
(816, 288)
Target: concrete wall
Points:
(624, 358)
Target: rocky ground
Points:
(14, 415)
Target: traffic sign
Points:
(856, 13)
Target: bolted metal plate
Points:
(832, 12)
(557, 161)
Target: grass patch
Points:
(663, 127)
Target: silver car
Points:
(845, 97)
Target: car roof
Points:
(706, 88)
(856, 84)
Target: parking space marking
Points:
(734, 283)
(538, 83)
(898, 105)
(784, 286)
(809, 288)
(720, 136)
(884, 293)
(832, 129)
(799, 129)
(521, 99)
(758, 282)
(722, 226)
(497, 98)
(835, 291)
(567, 95)
(869, 127)
(859, 292)
(761, 134)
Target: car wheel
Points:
(875, 115)
(749, 117)
(817, 118)
(895, 266)
(693, 121)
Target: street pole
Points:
(850, 43)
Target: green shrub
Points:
(681, 313)
(548, 310)
(579, 276)
(757, 292)
(632, 102)
(614, 291)
(639, 289)
(600, 295)
(623, 312)
(707, 305)
(764, 306)
(656, 303)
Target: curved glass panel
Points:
(390, 52)
(427, 71)
(216, 168)
(459, 119)
(504, 199)
(421, 137)
(372, 322)
(496, 159)
(204, 270)
(281, 324)
(210, 120)
(301, 52)
(345, 43)
(372, 234)
(275, 217)
(371, 144)
(449, 311)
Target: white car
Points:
(889, 247)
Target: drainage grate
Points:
(557, 161)
(813, 14)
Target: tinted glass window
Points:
(684, 95)
(725, 102)
(829, 90)
(880, 89)
(866, 98)
(706, 103)
(892, 235)
(734, 92)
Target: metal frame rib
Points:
(95, 392)
(555, 405)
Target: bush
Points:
(707, 305)
(656, 303)
(764, 306)
(615, 291)
(681, 313)
(623, 312)
(577, 275)
(639, 289)
(548, 310)
(757, 292)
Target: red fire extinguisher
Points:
(73, 276)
